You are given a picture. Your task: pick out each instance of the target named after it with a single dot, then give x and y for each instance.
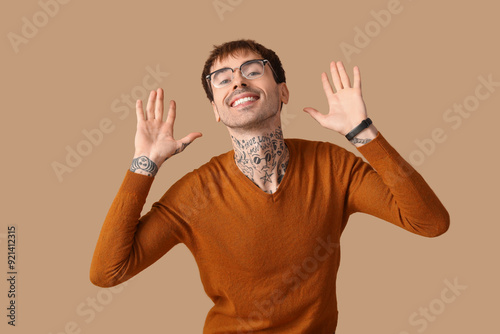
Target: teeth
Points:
(245, 99)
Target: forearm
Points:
(396, 192)
(118, 233)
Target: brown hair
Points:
(221, 52)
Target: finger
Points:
(335, 76)
(357, 78)
(139, 112)
(151, 105)
(346, 83)
(184, 142)
(190, 138)
(315, 114)
(326, 86)
(159, 104)
(171, 116)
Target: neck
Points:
(262, 157)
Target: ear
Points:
(216, 112)
(284, 93)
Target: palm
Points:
(154, 137)
(346, 107)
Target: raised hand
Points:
(347, 108)
(154, 139)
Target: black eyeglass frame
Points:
(264, 62)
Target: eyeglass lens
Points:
(251, 70)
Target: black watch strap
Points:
(363, 125)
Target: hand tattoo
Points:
(183, 146)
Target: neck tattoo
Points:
(263, 159)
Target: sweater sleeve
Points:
(389, 188)
(128, 243)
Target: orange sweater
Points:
(267, 261)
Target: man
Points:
(263, 221)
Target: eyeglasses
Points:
(251, 69)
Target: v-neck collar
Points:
(256, 189)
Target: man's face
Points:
(264, 95)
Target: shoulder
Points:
(325, 158)
(216, 166)
(322, 149)
(208, 173)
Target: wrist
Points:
(364, 136)
(358, 127)
(144, 164)
(151, 156)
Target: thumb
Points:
(184, 142)
(314, 114)
(190, 138)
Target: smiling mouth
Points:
(245, 101)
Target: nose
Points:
(239, 79)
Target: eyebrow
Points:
(246, 61)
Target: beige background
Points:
(64, 79)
